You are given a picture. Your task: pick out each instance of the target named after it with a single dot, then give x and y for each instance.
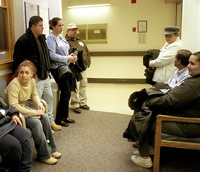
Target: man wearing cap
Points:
(164, 64)
(79, 98)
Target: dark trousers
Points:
(65, 85)
(170, 128)
(15, 149)
(63, 105)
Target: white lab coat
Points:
(165, 62)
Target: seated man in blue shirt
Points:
(181, 61)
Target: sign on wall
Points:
(29, 11)
(36, 10)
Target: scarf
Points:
(44, 60)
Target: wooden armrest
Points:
(161, 118)
(45, 105)
(22, 120)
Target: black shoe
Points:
(62, 123)
(77, 110)
(86, 107)
(68, 120)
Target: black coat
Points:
(26, 49)
(6, 123)
(149, 72)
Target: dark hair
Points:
(184, 55)
(197, 54)
(53, 22)
(34, 20)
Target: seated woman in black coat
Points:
(183, 100)
(15, 147)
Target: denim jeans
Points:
(44, 91)
(42, 134)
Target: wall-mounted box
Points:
(93, 33)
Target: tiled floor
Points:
(111, 97)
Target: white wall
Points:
(116, 67)
(191, 25)
(121, 16)
(55, 9)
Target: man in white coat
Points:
(164, 63)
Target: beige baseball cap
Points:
(72, 26)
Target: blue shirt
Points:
(58, 49)
(177, 79)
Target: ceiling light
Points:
(87, 6)
(87, 3)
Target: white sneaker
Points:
(138, 160)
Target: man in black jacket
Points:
(32, 46)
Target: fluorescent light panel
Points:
(87, 6)
(87, 3)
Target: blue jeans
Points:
(42, 134)
(44, 91)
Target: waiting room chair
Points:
(3, 84)
(56, 96)
(164, 140)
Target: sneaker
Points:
(50, 161)
(56, 155)
(86, 107)
(56, 127)
(77, 110)
(138, 160)
(151, 151)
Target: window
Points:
(6, 31)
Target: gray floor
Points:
(95, 144)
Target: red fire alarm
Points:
(133, 1)
(134, 29)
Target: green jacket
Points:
(183, 100)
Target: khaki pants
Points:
(79, 97)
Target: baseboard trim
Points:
(116, 80)
(117, 53)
